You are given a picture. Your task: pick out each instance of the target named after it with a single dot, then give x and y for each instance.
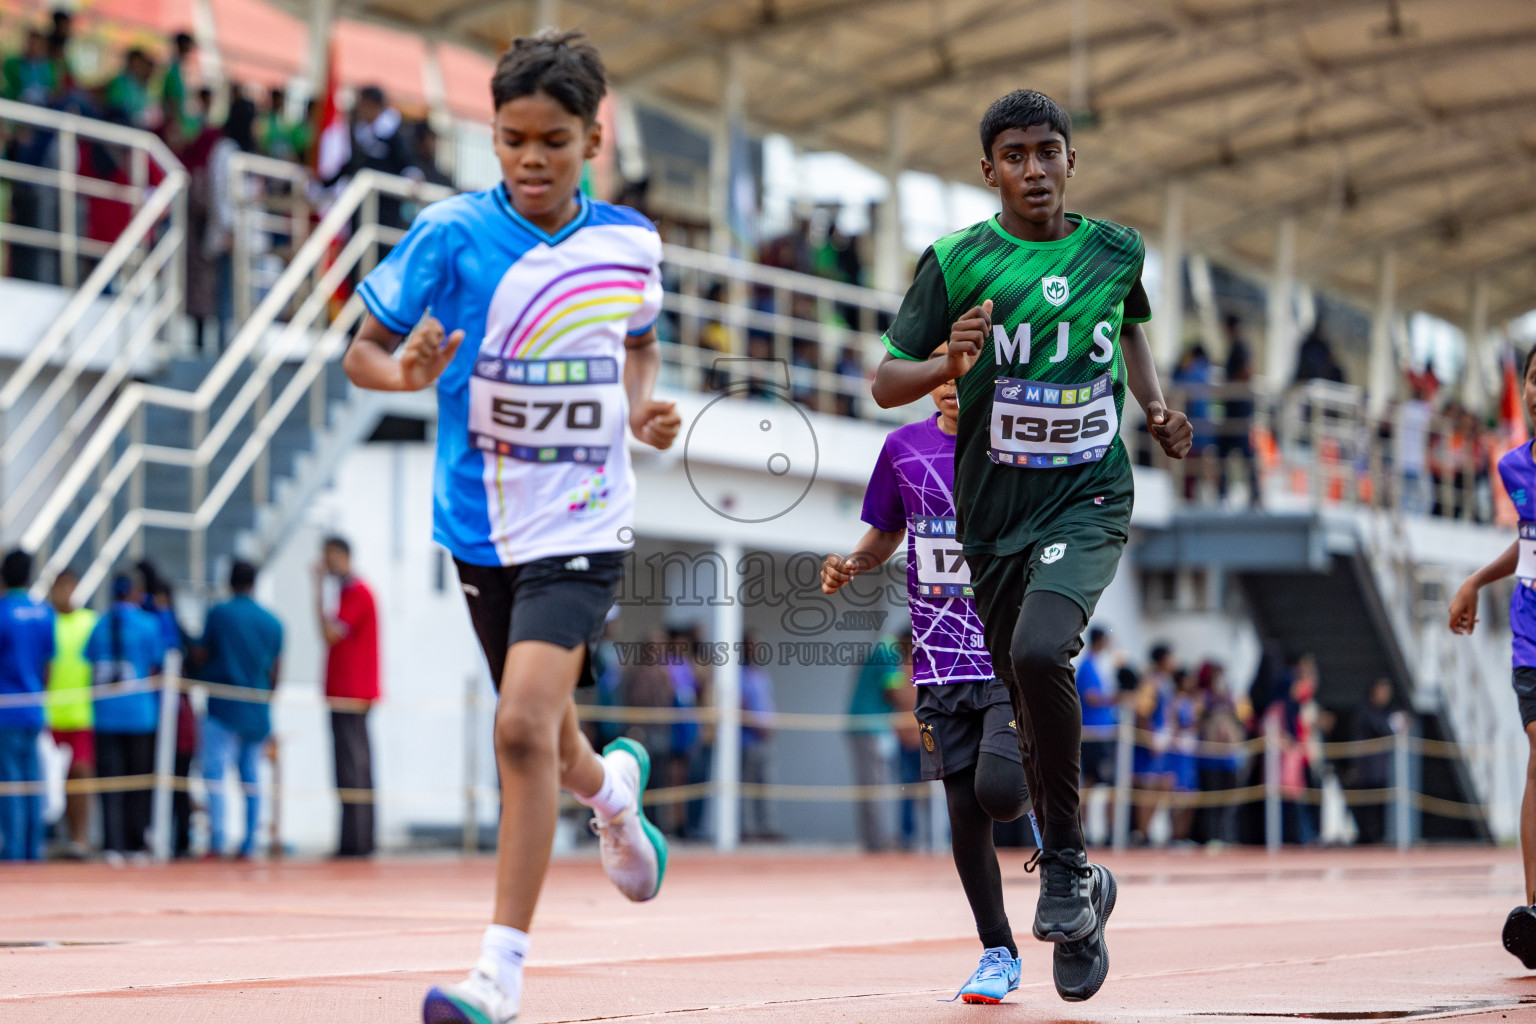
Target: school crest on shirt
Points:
(1055, 290)
(1052, 553)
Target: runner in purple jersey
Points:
(968, 732)
(1517, 469)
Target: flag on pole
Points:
(333, 142)
(1512, 434)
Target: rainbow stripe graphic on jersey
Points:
(615, 297)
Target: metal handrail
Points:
(161, 209)
(87, 469)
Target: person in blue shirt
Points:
(1099, 693)
(125, 651)
(26, 648)
(242, 647)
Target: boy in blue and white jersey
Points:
(556, 295)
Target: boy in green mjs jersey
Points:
(1042, 311)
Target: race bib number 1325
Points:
(545, 410)
(1047, 426)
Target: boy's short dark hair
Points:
(1096, 635)
(373, 94)
(339, 543)
(564, 66)
(1525, 365)
(242, 576)
(16, 568)
(1160, 652)
(1021, 109)
(184, 42)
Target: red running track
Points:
(1235, 937)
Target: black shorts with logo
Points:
(563, 600)
(1525, 693)
(960, 721)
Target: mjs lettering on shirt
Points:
(1018, 349)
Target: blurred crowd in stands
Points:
(204, 128)
(90, 682)
(1193, 740)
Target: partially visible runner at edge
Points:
(1517, 470)
(1042, 312)
(532, 308)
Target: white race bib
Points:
(1525, 569)
(545, 410)
(1047, 426)
(939, 561)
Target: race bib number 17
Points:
(1047, 426)
(940, 569)
(545, 410)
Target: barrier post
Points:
(1125, 744)
(1402, 799)
(1273, 826)
(727, 629)
(471, 836)
(165, 756)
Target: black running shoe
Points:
(1079, 968)
(1065, 911)
(1520, 935)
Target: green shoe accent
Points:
(658, 841)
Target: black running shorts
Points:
(961, 720)
(562, 600)
(1525, 692)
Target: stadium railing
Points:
(128, 291)
(116, 450)
(1258, 759)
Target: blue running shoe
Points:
(477, 999)
(633, 851)
(995, 977)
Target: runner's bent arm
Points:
(1169, 427)
(655, 423)
(899, 381)
(370, 360)
(875, 547)
(1464, 604)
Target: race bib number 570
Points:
(545, 410)
(1046, 426)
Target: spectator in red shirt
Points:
(351, 631)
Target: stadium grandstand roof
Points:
(1407, 125)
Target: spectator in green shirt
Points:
(30, 77)
(869, 740)
(176, 113)
(127, 95)
(278, 137)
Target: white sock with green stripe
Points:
(615, 794)
(507, 948)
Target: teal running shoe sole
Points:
(658, 841)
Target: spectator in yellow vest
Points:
(69, 708)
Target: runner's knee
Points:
(525, 734)
(1000, 788)
(1049, 634)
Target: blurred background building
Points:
(1342, 251)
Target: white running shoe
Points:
(478, 999)
(634, 852)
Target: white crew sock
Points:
(613, 796)
(507, 948)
